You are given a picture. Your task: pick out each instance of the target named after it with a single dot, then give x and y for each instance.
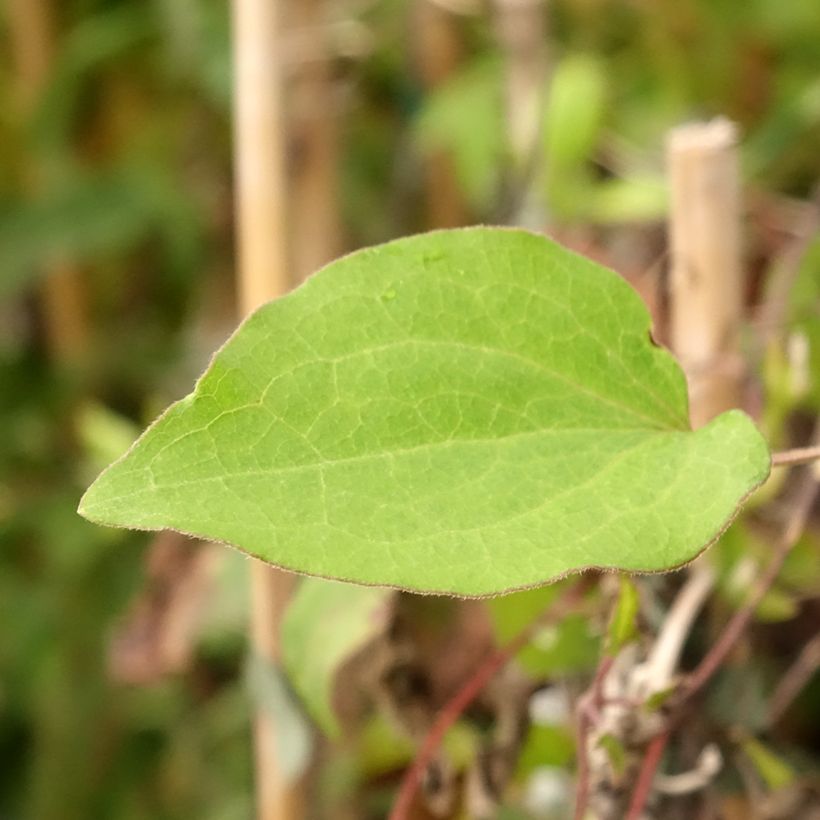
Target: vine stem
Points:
(646, 774)
(454, 708)
(736, 626)
(720, 650)
(794, 679)
(799, 455)
(589, 706)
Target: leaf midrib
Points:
(646, 434)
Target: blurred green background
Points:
(116, 283)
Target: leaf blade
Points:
(463, 412)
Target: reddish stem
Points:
(582, 789)
(799, 455)
(649, 765)
(736, 626)
(589, 706)
(454, 708)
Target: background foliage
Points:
(118, 166)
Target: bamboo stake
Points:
(706, 289)
(63, 298)
(262, 255)
(706, 276)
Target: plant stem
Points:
(646, 774)
(799, 455)
(662, 662)
(734, 629)
(454, 708)
(794, 679)
(588, 707)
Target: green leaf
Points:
(623, 626)
(773, 769)
(740, 557)
(88, 215)
(566, 647)
(637, 198)
(325, 624)
(463, 412)
(658, 699)
(381, 748)
(104, 433)
(545, 745)
(509, 614)
(464, 117)
(574, 112)
(615, 752)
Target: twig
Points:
(663, 659)
(453, 709)
(736, 626)
(794, 679)
(799, 455)
(582, 786)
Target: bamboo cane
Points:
(259, 144)
(706, 305)
(706, 285)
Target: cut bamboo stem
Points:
(706, 281)
(259, 150)
(706, 298)
(259, 144)
(706, 295)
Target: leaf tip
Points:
(89, 504)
